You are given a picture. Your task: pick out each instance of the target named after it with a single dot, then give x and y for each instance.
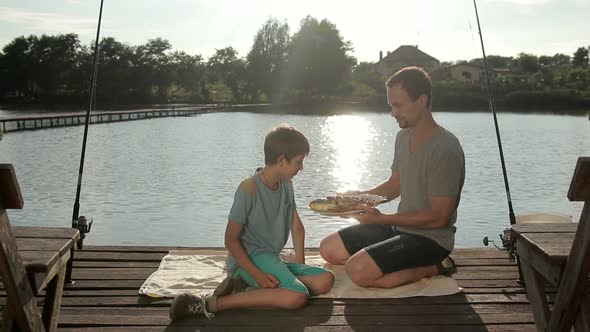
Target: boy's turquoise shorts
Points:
(285, 272)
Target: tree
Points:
(318, 59)
(227, 68)
(528, 63)
(189, 72)
(366, 73)
(16, 66)
(545, 60)
(581, 57)
(53, 62)
(560, 59)
(114, 77)
(266, 59)
(151, 69)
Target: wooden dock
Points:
(107, 278)
(34, 122)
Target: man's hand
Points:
(266, 280)
(370, 215)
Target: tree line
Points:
(313, 64)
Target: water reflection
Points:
(350, 137)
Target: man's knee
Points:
(331, 249)
(360, 272)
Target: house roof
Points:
(408, 53)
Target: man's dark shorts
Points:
(391, 249)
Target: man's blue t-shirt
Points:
(266, 215)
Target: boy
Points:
(262, 215)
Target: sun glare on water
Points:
(349, 136)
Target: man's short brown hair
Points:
(415, 81)
(284, 140)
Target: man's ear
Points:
(281, 160)
(423, 100)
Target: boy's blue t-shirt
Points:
(266, 215)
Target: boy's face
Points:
(292, 167)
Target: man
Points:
(428, 171)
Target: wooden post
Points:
(20, 297)
(572, 287)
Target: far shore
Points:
(302, 108)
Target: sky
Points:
(445, 29)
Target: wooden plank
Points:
(46, 232)
(538, 260)
(82, 255)
(10, 195)
(39, 261)
(143, 273)
(325, 328)
(536, 294)
(119, 264)
(571, 289)
(579, 190)
(545, 228)
(555, 248)
(450, 299)
(30, 244)
(269, 319)
(338, 309)
(134, 284)
(144, 301)
(53, 297)
(458, 253)
(14, 276)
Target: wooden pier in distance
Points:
(107, 279)
(33, 122)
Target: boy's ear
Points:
(281, 160)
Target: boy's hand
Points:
(266, 280)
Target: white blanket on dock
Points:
(184, 271)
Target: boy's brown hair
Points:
(415, 81)
(284, 140)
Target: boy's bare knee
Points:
(295, 301)
(326, 284)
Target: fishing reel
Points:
(83, 226)
(507, 243)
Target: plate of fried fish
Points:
(341, 205)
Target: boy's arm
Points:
(298, 234)
(234, 246)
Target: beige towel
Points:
(201, 271)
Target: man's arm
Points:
(234, 246)
(389, 188)
(436, 216)
(298, 234)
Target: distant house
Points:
(461, 72)
(403, 56)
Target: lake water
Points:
(171, 181)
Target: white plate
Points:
(367, 197)
(340, 214)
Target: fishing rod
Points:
(506, 237)
(80, 222)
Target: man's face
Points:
(406, 111)
(292, 167)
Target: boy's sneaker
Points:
(185, 305)
(447, 266)
(230, 285)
